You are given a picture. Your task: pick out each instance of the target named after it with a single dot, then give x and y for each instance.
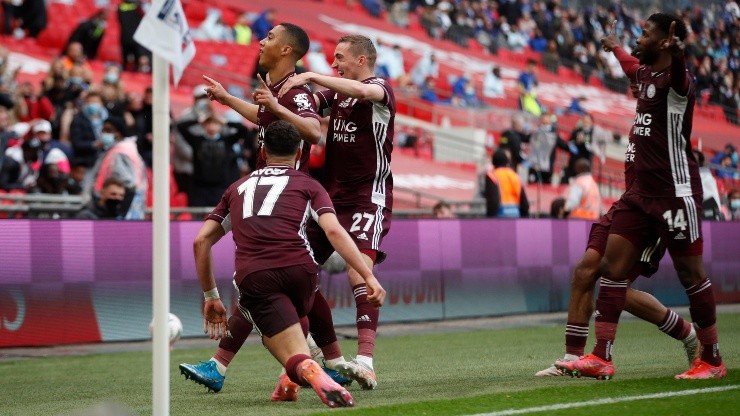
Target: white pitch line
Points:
(562, 406)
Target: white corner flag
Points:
(164, 31)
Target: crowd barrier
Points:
(89, 281)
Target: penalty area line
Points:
(608, 400)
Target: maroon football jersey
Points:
(269, 212)
(358, 147)
(664, 163)
(298, 100)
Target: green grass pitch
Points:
(450, 373)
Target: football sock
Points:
(292, 367)
(220, 367)
(675, 326)
(703, 313)
(367, 321)
(239, 328)
(321, 323)
(576, 335)
(609, 305)
(332, 352)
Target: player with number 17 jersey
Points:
(281, 197)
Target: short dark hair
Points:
(297, 39)
(113, 180)
(281, 139)
(663, 22)
(439, 206)
(500, 158)
(361, 45)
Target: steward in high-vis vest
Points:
(505, 196)
(584, 198)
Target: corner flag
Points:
(164, 31)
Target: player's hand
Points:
(263, 96)
(215, 322)
(611, 41)
(673, 44)
(375, 292)
(216, 91)
(294, 81)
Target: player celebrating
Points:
(663, 199)
(277, 280)
(358, 171)
(284, 45)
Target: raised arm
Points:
(674, 45)
(308, 127)
(344, 86)
(217, 92)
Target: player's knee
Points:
(584, 276)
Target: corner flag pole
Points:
(161, 236)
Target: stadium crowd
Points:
(53, 135)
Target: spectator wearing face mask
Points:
(106, 205)
(734, 202)
(86, 128)
(182, 155)
(20, 166)
(120, 159)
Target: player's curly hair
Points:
(361, 45)
(281, 139)
(297, 39)
(663, 23)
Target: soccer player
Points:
(284, 45)
(276, 274)
(358, 171)
(663, 199)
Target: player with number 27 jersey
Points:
(282, 197)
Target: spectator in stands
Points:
(527, 84)
(243, 30)
(442, 209)
(182, 155)
(20, 166)
(464, 90)
(33, 17)
(75, 179)
(374, 7)
(726, 162)
(316, 60)
(75, 56)
(120, 159)
(138, 118)
(426, 67)
(398, 13)
(90, 32)
(551, 57)
(513, 138)
(30, 106)
(389, 64)
(584, 199)
(106, 205)
(733, 198)
(214, 157)
(428, 92)
(711, 205)
(576, 107)
(11, 12)
(580, 146)
(113, 92)
(53, 175)
(56, 86)
(557, 208)
(493, 85)
(41, 130)
(8, 78)
(542, 145)
(130, 13)
(86, 128)
(214, 28)
(504, 192)
(263, 23)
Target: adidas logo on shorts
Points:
(362, 236)
(679, 236)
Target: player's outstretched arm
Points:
(216, 92)
(344, 86)
(214, 311)
(346, 248)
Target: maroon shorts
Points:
(651, 253)
(275, 299)
(677, 221)
(366, 226)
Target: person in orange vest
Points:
(584, 198)
(505, 196)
